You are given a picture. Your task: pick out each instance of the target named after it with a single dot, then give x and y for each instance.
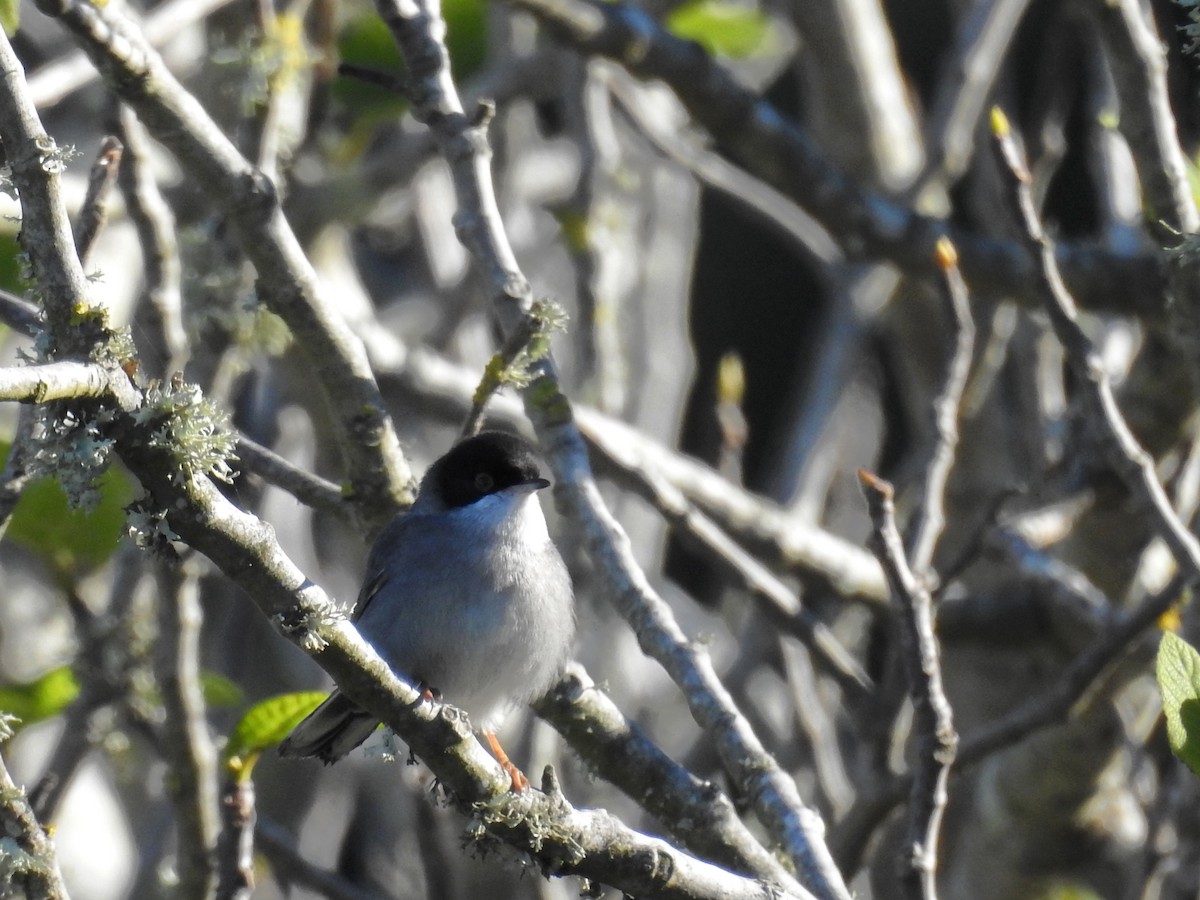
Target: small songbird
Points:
(465, 594)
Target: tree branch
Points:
(67, 381)
(933, 728)
(1131, 462)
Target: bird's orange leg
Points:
(519, 781)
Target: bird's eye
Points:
(484, 482)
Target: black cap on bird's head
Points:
(489, 462)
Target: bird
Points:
(465, 594)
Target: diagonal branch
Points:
(1132, 463)
(933, 730)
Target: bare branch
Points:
(56, 80)
(186, 743)
(67, 381)
(1139, 69)
(94, 212)
(155, 224)
(36, 162)
(697, 812)
(933, 728)
(775, 599)
(309, 489)
(1130, 461)
(930, 516)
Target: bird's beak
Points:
(535, 485)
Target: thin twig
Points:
(94, 212)
(186, 743)
(930, 517)
(161, 266)
(21, 315)
(311, 490)
(773, 208)
(1131, 462)
(294, 868)
(776, 600)
(933, 729)
(386, 80)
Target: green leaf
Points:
(10, 16)
(466, 36)
(268, 722)
(42, 698)
(220, 691)
(12, 277)
(366, 41)
(723, 27)
(71, 540)
(1178, 673)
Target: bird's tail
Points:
(331, 730)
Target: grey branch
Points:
(1128, 458)
(94, 212)
(930, 517)
(933, 729)
(56, 80)
(777, 601)
(186, 743)
(45, 235)
(699, 814)
(155, 224)
(1140, 71)
(67, 381)
(310, 489)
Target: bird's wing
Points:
(379, 563)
